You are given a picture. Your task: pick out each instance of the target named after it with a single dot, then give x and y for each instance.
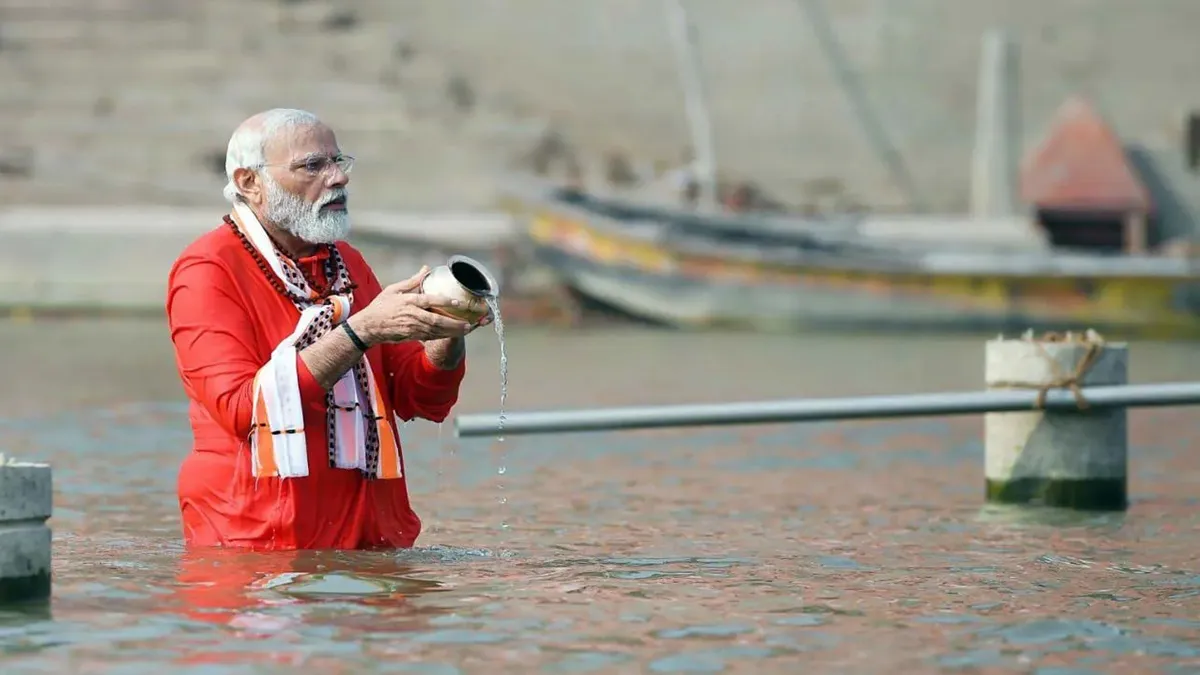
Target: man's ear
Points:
(248, 184)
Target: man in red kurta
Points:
(282, 333)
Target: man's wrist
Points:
(362, 327)
(446, 353)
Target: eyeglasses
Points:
(317, 165)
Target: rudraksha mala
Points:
(277, 283)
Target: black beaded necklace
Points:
(277, 283)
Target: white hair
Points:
(247, 146)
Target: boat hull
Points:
(665, 286)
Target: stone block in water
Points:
(1066, 458)
(26, 501)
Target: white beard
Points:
(304, 220)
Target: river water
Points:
(851, 547)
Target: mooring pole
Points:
(997, 128)
(691, 79)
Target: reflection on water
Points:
(857, 547)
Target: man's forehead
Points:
(298, 143)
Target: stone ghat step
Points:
(25, 88)
(125, 34)
(377, 139)
(443, 226)
(390, 123)
(51, 248)
(81, 193)
(90, 96)
(99, 97)
(312, 13)
(429, 178)
(29, 8)
(117, 98)
(433, 194)
(144, 126)
(84, 33)
(177, 168)
(179, 67)
(49, 259)
(217, 35)
(415, 186)
(370, 44)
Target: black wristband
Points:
(362, 346)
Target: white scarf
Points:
(360, 433)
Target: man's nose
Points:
(337, 177)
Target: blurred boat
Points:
(910, 272)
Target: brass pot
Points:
(466, 280)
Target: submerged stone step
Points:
(26, 500)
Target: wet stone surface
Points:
(850, 547)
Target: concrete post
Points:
(26, 499)
(997, 129)
(1074, 459)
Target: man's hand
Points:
(484, 320)
(402, 313)
(448, 352)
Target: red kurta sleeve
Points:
(216, 346)
(419, 388)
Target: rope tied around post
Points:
(1061, 380)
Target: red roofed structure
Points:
(1084, 190)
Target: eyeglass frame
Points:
(342, 161)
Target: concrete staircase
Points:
(118, 101)
(134, 100)
(604, 68)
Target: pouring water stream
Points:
(469, 281)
